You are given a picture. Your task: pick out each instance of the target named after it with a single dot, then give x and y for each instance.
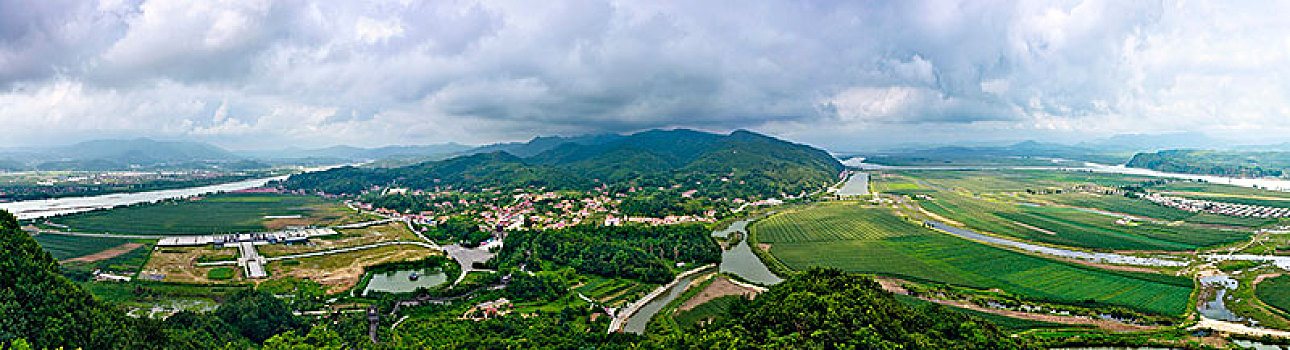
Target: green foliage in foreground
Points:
(47, 310)
(827, 308)
(818, 309)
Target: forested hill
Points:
(758, 163)
(1222, 163)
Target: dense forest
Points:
(636, 252)
(740, 164)
(1235, 164)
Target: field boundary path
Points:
(1237, 328)
(621, 318)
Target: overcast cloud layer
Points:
(254, 74)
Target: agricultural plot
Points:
(66, 247)
(1275, 292)
(613, 291)
(831, 222)
(340, 272)
(179, 264)
(222, 213)
(915, 253)
(1074, 227)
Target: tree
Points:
(257, 315)
(318, 338)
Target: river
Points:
(740, 260)
(35, 209)
(637, 321)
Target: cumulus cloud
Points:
(260, 73)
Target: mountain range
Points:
(652, 158)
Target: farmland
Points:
(1068, 208)
(886, 245)
(1275, 292)
(67, 247)
(222, 213)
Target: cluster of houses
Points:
(488, 309)
(1221, 208)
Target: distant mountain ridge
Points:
(1221, 163)
(655, 158)
(123, 154)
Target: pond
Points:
(1216, 308)
(740, 260)
(399, 281)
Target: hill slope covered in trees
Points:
(754, 163)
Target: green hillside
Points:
(750, 163)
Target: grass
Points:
(902, 249)
(63, 247)
(221, 213)
(220, 273)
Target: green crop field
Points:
(831, 222)
(1275, 292)
(223, 213)
(1074, 227)
(906, 250)
(67, 247)
(1039, 206)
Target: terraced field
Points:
(898, 248)
(67, 247)
(232, 212)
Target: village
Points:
(1221, 208)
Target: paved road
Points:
(467, 257)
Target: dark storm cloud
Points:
(251, 73)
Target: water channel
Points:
(637, 322)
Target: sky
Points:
(252, 74)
